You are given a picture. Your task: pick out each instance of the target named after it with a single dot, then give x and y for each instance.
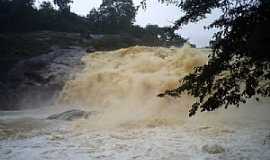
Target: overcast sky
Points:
(157, 13)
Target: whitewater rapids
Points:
(121, 86)
(124, 84)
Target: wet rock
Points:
(96, 36)
(71, 115)
(213, 149)
(204, 128)
(38, 80)
(90, 49)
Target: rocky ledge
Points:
(37, 81)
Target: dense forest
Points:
(112, 17)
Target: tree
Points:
(17, 15)
(47, 16)
(118, 12)
(239, 66)
(46, 6)
(164, 36)
(63, 5)
(113, 15)
(94, 20)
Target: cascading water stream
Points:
(123, 85)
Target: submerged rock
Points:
(56, 137)
(71, 115)
(213, 149)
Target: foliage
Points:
(63, 5)
(164, 35)
(238, 69)
(16, 12)
(113, 16)
(22, 16)
(117, 17)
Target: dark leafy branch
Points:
(238, 67)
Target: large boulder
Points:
(71, 115)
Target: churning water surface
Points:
(131, 122)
